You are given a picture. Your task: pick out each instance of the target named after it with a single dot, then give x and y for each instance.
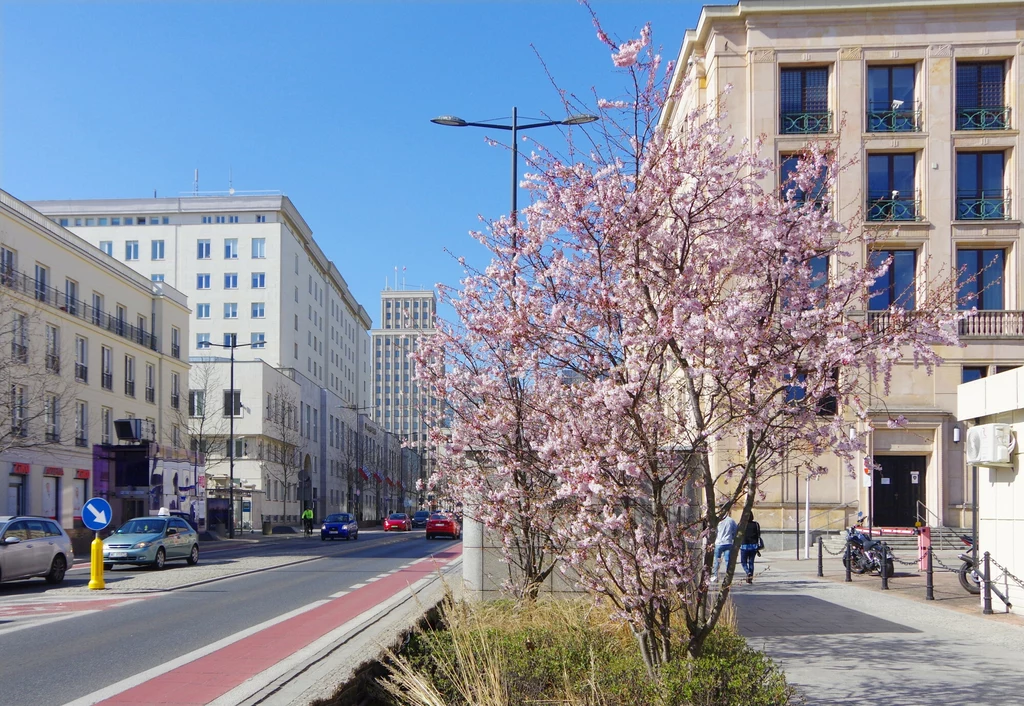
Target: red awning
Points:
(53, 471)
(20, 469)
(82, 473)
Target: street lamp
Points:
(231, 426)
(515, 127)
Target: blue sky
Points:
(328, 102)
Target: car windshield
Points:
(144, 525)
(339, 518)
(397, 516)
(438, 516)
(421, 514)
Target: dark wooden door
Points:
(897, 486)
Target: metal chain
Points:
(937, 560)
(1006, 572)
(841, 552)
(905, 563)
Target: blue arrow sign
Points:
(96, 514)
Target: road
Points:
(54, 655)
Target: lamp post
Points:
(514, 128)
(231, 428)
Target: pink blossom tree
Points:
(650, 335)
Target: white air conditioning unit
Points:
(990, 445)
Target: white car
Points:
(33, 546)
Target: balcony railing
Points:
(982, 118)
(994, 324)
(22, 282)
(889, 119)
(893, 207)
(19, 352)
(81, 372)
(53, 437)
(129, 388)
(19, 428)
(175, 350)
(53, 362)
(991, 206)
(805, 123)
(150, 394)
(81, 441)
(107, 381)
(175, 400)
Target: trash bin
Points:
(266, 526)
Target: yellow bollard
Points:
(96, 565)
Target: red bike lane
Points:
(213, 675)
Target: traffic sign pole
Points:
(96, 582)
(96, 515)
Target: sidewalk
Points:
(854, 644)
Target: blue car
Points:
(341, 525)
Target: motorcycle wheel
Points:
(858, 565)
(890, 568)
(966, 576)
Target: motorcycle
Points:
(968, 574)
(866, 554)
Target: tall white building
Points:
(254, 275)
(400, 404)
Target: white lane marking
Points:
(339, 594)
(143, 677)
(356, 585)
(378, 577)
(33, 622)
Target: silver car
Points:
(33, 546)
(153, 541)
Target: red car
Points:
(397, 521)
(439, 524)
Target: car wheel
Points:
(323, 538)
(57, 569)
(161, 559)
(108, 567)
(355, 536)
(193, 557)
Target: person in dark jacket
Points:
(751, 545)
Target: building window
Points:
(258, 340)
(203, 249)
(980, 96)
(175, 342)
(230, 340)
(260, 218)
(197, 403)
(107, 247)
(158, 249)
(970, 373)
(803, 101)
(231, 310)
(207, 219)
(891, 188)
(259, 248)
(891, 105)
(106, 418)
(787, 172)
(157, 277)
(980, 279)
(129, 376)
(175, 391)
(150, 383)
(131, 250)
(979, 186)
(232, 219)
(106, 368)
(203, 281)
(52, 349)
(219, 219)
(896, 286)
(231, 248)
(258, 310)
(259, 280)
(202, 311)
(231, 280)
(81, 359)
(202, 341)
(232, 403)
(81, 424)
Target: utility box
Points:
(990, 445)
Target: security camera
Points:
(897, 104)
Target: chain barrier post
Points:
(884, 562)
(849, 559)
(929, 586)
(821, 573)
(987, 610)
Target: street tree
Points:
(37, 372)
(282, 458)
(202, 423)
(649, 336)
